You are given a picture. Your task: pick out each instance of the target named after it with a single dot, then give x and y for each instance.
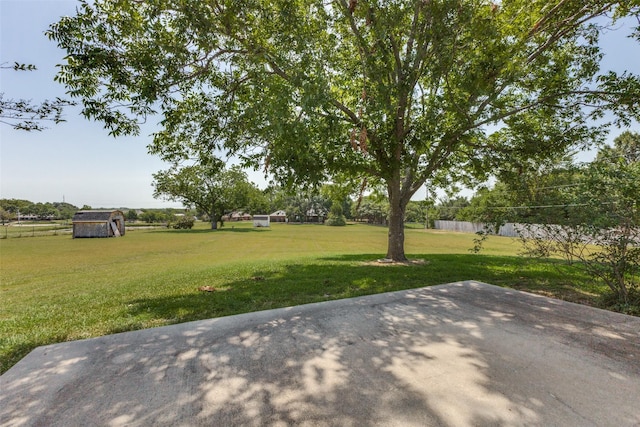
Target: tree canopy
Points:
(626, 148)
(23, 114)
(393, 92)
(211, 188)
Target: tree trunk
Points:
(395, 247)
(214, 221)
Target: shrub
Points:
(184, 223)
(336, 217)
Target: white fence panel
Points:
(460, 226)
(536, 231)
(509, 229)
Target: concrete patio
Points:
(461, 354)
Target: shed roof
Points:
(95, 216)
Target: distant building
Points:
(278, 216)
(237, 216)
(316, 216)
(103, 223)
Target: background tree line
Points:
(558, 191)
(9, 209)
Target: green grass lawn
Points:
(56, 288)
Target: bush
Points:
(184, 223)
(611, 301)
(611, 255)
(336, 221)
(336, 217)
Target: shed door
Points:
(116, 230)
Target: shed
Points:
(261, 220)
(102, 223)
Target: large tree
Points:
(394, 92)
(209, 187)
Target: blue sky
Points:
(77, 160)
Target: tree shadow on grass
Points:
(348, 276)
(465, 354)
(333, 278)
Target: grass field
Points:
(56, 288)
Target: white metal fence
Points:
(509, 229)
(549, 232)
